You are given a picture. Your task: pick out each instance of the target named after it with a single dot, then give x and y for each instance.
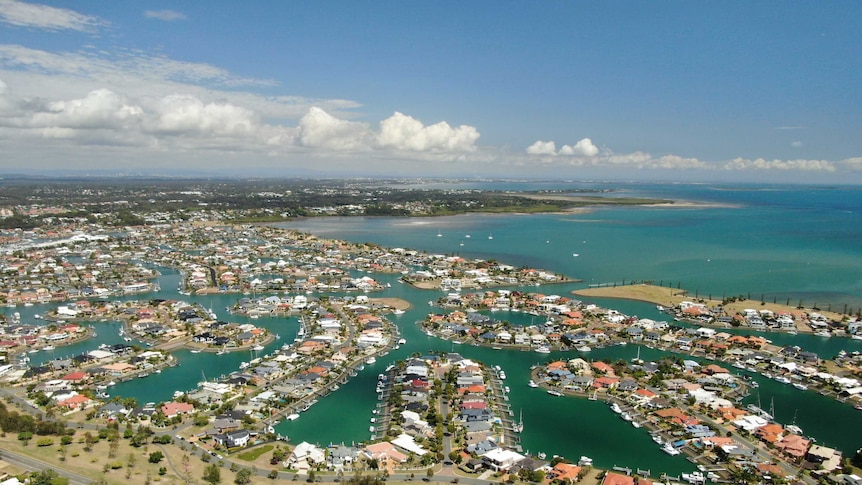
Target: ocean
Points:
(781, 243)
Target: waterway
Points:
(794, 243)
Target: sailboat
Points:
(519, 426)
(490, 236)
(638, 360)
(792, 427)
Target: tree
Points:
(243, 476)
(156, 457)
(212, 474)
(47, 477)
(273, 474)
(429, 473)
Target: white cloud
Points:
(319, 129)
(183, 114)
(797, 144)
(166, 15)
(405, 133)
(100, 109)
(542, 148)
(782, 165)
(583, 148)
(44, 17)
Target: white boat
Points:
(782, 379)
(616, 408)
(585, 461)
(626, 416)
(794, 429)
(532, 383)
(402, 341)
(48, 347)
(800, 386)
(544, 349)
(371, 429)
(502, 375)
(636, 424)
(657, 439)
(584, 348)
(257, 348)
(694, 478)
(292, 417)
(196, 351)
(554, 392)
(370, 360)
(669, 449)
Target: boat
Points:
(800, 386)
(694, 478)
(371, 428)
(782, 379)
(541, 455)
(583, 348)
(636, 424)
(669, 449)
(370, 360)
(532, 383)
(178, 394)
(554, 392)
(48, 347)
(657, 439)
(196, 351)
(794, 429)
(257, 348)
(626, 416)
(544, 349)
(502, 375)
(402, 341)
(585, 461)
(616, 408)
(292, 417)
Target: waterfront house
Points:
(233, 439)
(614, 478)
(304, 456)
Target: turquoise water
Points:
(783, 242)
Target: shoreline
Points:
(672, 297)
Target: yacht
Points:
(616, 408)
(626, 416)
(800, 386)
(585, 461)
(257, 348)
(544, 349)
(402, 341)
(583, 348)
(669, 449)
(370, 360)
(554, 392)
(532, 383)
(657, 439)
(695, 478)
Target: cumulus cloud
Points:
(405, 133)
(166, 15)
(37, 16)
(542, 148)
(319, 129)
(100, 109)
(583, 148)
(183, 114)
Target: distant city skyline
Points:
(735, 91)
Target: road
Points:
(33, 464)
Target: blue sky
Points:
(747, 91)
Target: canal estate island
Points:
(302, 322)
